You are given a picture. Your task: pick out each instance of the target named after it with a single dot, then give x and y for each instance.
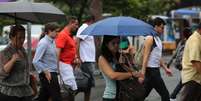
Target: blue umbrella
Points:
(119, 26)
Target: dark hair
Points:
(105, 52)
(158, 21)
(14, 29)
(89, 18)
(71, 19)
(49, 26)
(187, 32)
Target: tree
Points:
(79, 8)
(137, 8)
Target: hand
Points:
(132, 50)
(48, 76)
(15, 57)
(137, 74)
(141, 80)
(77, 62)
(168, 71)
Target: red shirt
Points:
(67, 44)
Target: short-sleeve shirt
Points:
(87, 46)
(15, 83)
(192, 52)
(67, 44)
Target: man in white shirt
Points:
(86, 53)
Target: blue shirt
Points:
(45, 57)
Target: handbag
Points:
(81, 78)
(129, 89)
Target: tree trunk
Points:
(81, 10)
(96, 10)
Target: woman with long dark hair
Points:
(107, 62)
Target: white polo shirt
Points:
(87, 45)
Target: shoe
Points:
(171, 99)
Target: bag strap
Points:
(125, 67)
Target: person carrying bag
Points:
(129, 89)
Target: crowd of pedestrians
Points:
(58, 53)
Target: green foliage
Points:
(71, 7)
(137, 8)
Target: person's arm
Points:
(171, 60)
(194, 49)
(107, 69)
(175, 54)
(6, 63)
(146, 52)
(58, 55)
(197, 66)
(60, 43)
(78, 47)
(42, 67)
(37, 60)
(78, 60)
(164, 66)
(9, 65)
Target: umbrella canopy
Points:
(119, 26)
(32, 12)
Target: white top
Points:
(87, 45)
(156, 54)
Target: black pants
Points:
(153, 80)
(4, 97)
(191, 91)
(49, 90)
(176, 90)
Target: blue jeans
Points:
(176, 90)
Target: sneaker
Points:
(171, 99)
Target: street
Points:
(170, 82)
